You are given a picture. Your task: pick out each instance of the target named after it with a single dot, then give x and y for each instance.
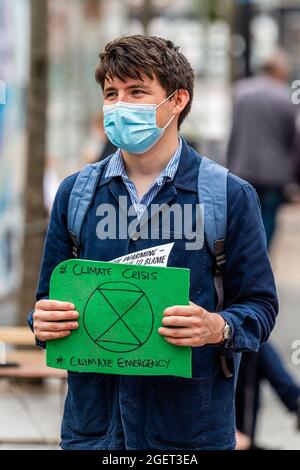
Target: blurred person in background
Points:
(296, 160)
(262, 136)
(98, 146)
(260, 150)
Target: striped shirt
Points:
(116, 168)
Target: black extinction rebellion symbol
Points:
(118, 317)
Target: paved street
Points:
(37, 414)
(277, 425)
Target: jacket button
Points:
(135, 237)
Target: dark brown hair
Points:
(131, 56)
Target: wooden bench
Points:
(30, 361)
(27, 362)
(17, 335)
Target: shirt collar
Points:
(116, 166)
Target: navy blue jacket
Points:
(127, 412)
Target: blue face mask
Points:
(132, 127)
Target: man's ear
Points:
(181, 99)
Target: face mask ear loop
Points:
(164, 128)
(166, 99)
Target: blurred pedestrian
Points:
(260, 150)
(262, 136)
(255, 368)
(296, 156)
(97, 146)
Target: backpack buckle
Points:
(76, 245)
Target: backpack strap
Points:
(81, 198)
(212, 193)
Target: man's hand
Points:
(53, 319)
(195, 326)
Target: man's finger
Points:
(177, 321)
(176, 332)
(178, 310)
(182, 341)
(56, 327)
(58, 315)
(45, 336)
(46, 304)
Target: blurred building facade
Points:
(14, 54)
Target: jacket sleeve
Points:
(58, 244)
(251, 303)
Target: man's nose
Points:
(121, 96)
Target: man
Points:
(262, 136)
(148, 89)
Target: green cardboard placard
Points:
(120, 310)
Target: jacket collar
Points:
(186, 176)
(187, 173)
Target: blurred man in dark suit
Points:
(262, 135)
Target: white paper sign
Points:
(155, 256)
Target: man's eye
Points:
(138, 92)
(110, 94)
